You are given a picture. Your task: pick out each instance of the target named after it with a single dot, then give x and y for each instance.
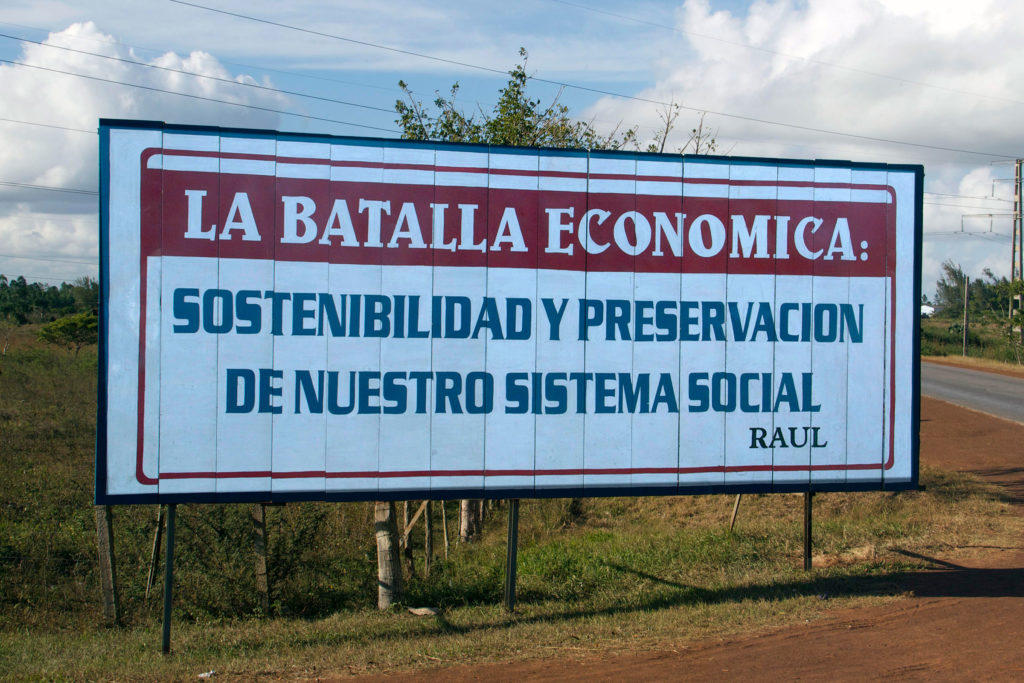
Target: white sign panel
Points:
(302, 317)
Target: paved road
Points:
(990, 393)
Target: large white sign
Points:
(305, 317)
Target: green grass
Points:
(607, 575)
(985, 339)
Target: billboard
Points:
(291, 317)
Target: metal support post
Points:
(108, 567)
(154, 557)
(168, 580)
(967, 286)
(1016, 240)
(511, 558)
(428, 538)
(1018, 229)
(808, 497)
(735, 511)
(259, 537)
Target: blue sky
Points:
(908, 81)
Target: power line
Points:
(198, 75)
(957, 206)
(40, 277)
(69, 190)
(296, 74)
(811, 60)
(583, 88)
(966, 196)
(48, 125)
(54, 260)
(936, 233)
(196, 97)
(322, 34)
(998, 237)
(85, 220)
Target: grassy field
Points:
(613, 575)
(988, 339)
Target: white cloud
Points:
(807, 62)
(944, 74)
(50, 224)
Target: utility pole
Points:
(1013, 242)
(1018, 232)
(1017, 240)
(967, 285)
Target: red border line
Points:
(483, 170)
(317, 474)
(142, 478)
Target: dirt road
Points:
(965, 621)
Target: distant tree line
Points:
(23, 302)
(988, 296)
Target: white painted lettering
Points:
(298, 210)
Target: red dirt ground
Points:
(965, 621)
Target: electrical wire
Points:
(598, 91)
(198, 75)
(40, 277)
(48, 125)
(54, 260)
(50, 188)
(987, 236)
(957, 206)
(967, 196)
(809, 60)
(197, 97)
(295, 74)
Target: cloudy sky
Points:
(927, 82)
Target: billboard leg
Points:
(259, 537)
(108, 568)
(165, 647)
(511, 557)
(808, 497)
(428, 539)
(154, 558)
(735, 510)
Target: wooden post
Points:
(428, 539)
(470, 522)
(511, 556)
(406, 548)
(808, 497)
(407, 531)
(967, 284)
(259, 537)
(405, 521)
(444, 528)
(108, 567)
(735, 510)
(154, 556)
(165, 647)
(389, 569)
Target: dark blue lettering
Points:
(246, 311)
(479, 393)
(210, 299)
(517, 394)
(186, 310)
(268, 390)
(245, 400)
(304, 388)
(300, 314)
(366, 392)
(394, 392)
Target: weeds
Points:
(988, 339)
(601, 573)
